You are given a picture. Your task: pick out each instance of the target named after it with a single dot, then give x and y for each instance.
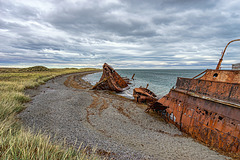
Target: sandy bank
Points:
(117, 126)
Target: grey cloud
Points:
(166, 32)
(11, 9)
(96, 20)
(173, 5)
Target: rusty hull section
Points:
(144, 95)
(228, 76)
(207, 108)
(111, 80)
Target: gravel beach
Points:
(65, 108)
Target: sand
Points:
(118, 127)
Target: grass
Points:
(16, 142)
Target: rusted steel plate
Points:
(228, 76)
(228, 103)
(212, 123)
(219, 90)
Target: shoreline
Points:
(118, 126)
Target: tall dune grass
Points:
(17, 142)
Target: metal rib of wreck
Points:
(208, 107)
(111, 80)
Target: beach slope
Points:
(66, 108)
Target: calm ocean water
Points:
(160, 80)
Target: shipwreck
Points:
(111, 80)
(207, 107)
(144, 95)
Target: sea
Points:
(160, 80)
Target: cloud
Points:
(125, 34)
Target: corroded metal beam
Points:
(221, 59)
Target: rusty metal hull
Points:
(207, 108)
(144, 95)
(111, 80)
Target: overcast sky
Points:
(125, 34)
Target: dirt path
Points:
(117, 126)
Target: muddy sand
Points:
(66, 108)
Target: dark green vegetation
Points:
(34, 69)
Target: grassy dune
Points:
(15, 141)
